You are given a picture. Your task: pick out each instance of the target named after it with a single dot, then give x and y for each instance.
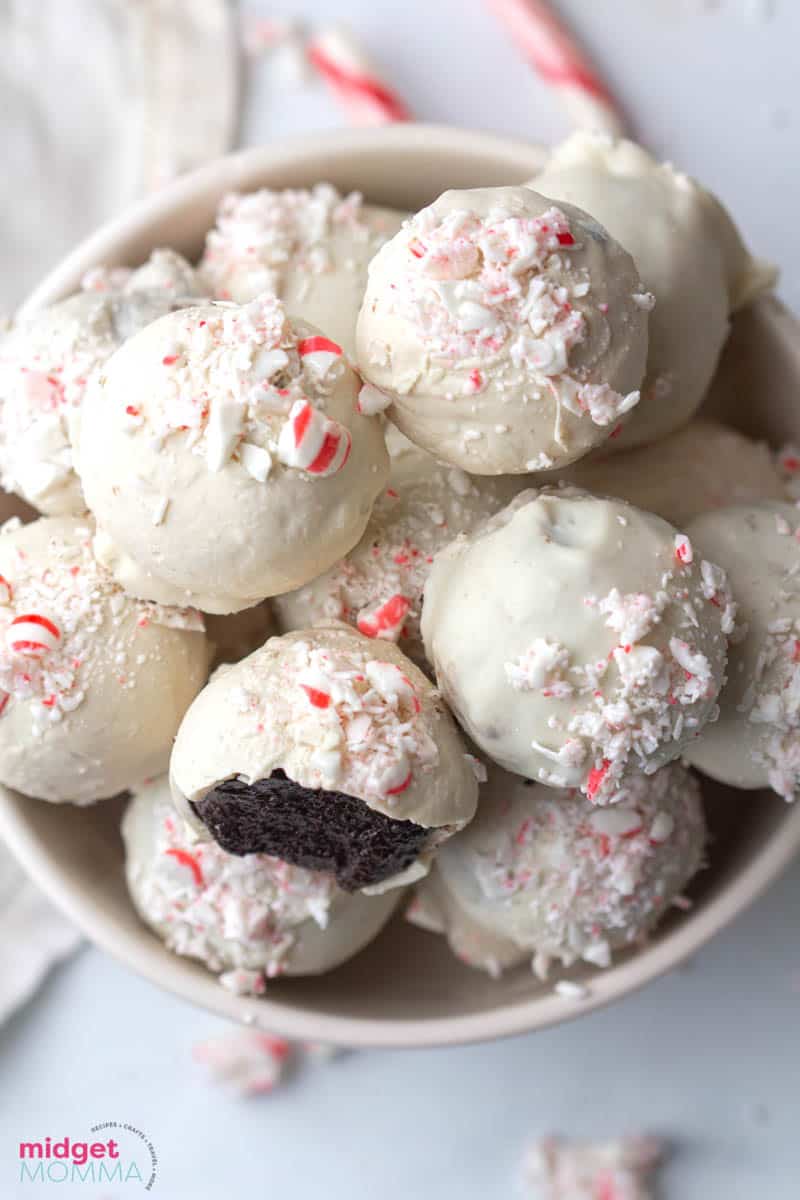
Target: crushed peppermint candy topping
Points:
(61, 615)
(261, 237)
(49, 359)
(356, 722)
(232, 912)
(372, 400)
(378, 586)
(570, 989)
(578, 882)
(385, 619)
(478, 288)
(772, 703)
(557, 1169)
(633, 615)
(637, 699)
(250, 1062)
(541, 669)
(683, 549)
(46, 364)
(313, 442)
(717, 591)
(788, 463)
(239, 385)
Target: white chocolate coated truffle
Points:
(93, 685)
(510, 333)
(334, 711)
(543, 873)
(378, 586)
(310, 248)
(577, 639)
(223, 457)
(698, 468)
(690, 257)
(756, 741)
(249, 918)
(47, 361)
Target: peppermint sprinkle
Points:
(312, 442)
(384, 620)
(32, 635)
(683, 549)
(372, 400)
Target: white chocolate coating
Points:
(690, 256)
(378, 586)
(577, 639)
(543, 873)
(251, 917)
(93, 685)
(756, 741)
(47, 360)
(334, 710)
(510, 333)
(209, 484)
(309, 248)
(699, 468)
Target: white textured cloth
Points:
(33, 936)
(102, 100)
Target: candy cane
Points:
(312, 442)
(561, 63)
(319, 353)
(352, 78)
(32, 635)
(384, 620)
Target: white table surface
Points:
(710, 1056)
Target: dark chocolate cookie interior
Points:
(312, 828)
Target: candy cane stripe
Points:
(313, 442)
(561, 63)
(311, 345)
(354, 81)
(32, 634)
(301, 423)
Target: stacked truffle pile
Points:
(518, 583)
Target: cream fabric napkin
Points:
(33, 936)
(102, 101)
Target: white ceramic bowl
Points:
(406, 989)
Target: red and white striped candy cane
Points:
(313, 442)
(384, 620)
(319, 353)
(353, 79)
(32, 635)
(561, 63)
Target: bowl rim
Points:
(143, 952)
(242, 167)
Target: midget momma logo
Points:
(112, 1153)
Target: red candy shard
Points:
(401, 787)
(188, 860)
(311, 345)
(389, 616)
(596, 777)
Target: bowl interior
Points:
(406, 988)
